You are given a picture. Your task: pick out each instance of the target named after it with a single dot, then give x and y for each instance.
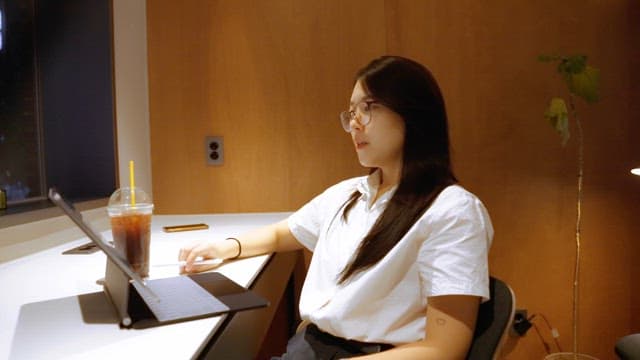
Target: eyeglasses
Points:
(363, 108)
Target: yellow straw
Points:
(132, 184)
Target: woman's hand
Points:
(216, 249)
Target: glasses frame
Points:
(365, 114)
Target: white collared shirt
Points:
(444, 253)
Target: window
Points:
(1, 32)
(20, 158)
(56, 100)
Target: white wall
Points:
(132, 94)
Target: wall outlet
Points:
(214, 150)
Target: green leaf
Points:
(557, 115)
(585, 84)
(572, 65)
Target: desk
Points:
(51, 305)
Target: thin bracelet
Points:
(239, 248)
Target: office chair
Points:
(628, 347)
(494, 321)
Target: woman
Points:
(399, 262)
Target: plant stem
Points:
(576, 274)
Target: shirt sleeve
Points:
(453, 259)
(310, 220)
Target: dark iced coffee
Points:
(131, 237)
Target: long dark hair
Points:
(409, 89)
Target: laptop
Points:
(150, 302)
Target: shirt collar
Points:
(368, 187)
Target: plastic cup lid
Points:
(121, 201)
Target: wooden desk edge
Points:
(241, 334)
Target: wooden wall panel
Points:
(271, 77)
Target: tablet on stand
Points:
(150, 302)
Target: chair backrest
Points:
(495, 318)
(628, 347)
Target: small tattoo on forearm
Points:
(441, 321)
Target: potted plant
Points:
(582, 81)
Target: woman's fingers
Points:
(185, 251)
(197, 268)
(189, 254)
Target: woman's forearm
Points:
(272, 238)
(264, 240)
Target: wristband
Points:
(239, 248)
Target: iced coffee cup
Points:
(130, 214)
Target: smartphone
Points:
(185, 227)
